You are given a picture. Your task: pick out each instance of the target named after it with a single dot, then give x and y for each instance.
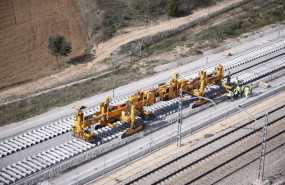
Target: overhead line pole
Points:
(178, 138)
(179, 119)
(262, 156)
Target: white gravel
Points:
(274, 170)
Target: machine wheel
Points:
(143, 116)
(97, 127)
(194, 106)
(123, 135)
(166, 97)
(147, 117)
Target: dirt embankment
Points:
(25, 26)
(104, 50)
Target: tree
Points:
(172, 7)
(58, 46)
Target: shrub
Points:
(58, 46)
(172, 8)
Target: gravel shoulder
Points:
(132, 87)
(274, 170)
(164, 154)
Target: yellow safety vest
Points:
(230, 93)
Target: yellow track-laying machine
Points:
(108, 115)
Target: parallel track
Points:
(171, 171)
(26, 167)
(59, 127)
(239, 161)
(106, 134)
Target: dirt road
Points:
(105, 49)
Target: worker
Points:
(242, 90)
(235, 93)
(246, 90)
(237, 82)
(229, 78)
(250, 89)
(230, 95)
(238, 90)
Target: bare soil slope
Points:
(25, 26)
(104, 50)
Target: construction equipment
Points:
(108, 114)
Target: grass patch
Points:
(96, 40)
(42, 103)
(103, 18)
(151, 62)
(252, 19)
(189, 45)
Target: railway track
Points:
(203, 165)
(23, 141)
(36, 136)
(43, 160)
(239, 161)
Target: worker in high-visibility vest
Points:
(235, 93)
(251, 88)
(238, 90)
(237, 82)
(230, 95)
(246, 91)
(229, 78)
(242, 90)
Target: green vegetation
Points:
(42, 103)
(58, 46)
(119, 14)
(251, 19)
(177, 8)
(172, 8)
(103, 18)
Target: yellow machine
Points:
(213, 78)
(107, 114)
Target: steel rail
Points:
(203, 146)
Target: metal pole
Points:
(113, 93)
(265, 138)
(263, 148)
(179, 119)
